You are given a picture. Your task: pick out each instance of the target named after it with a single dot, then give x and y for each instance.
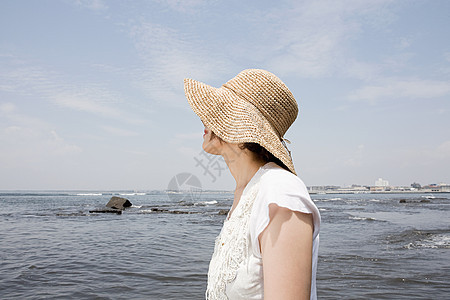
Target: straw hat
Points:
(255, 106)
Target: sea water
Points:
(372, 246)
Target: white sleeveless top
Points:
(236, 270)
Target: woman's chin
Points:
(208, 148)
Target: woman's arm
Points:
(286, 249)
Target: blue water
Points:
(372, 246)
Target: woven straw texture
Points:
(255, 106)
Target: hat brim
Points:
(234, 119)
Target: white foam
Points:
(132, 194)
(210, 202)
(437, 241)
(326, 200)
(206, 202)
(356, 218)
(89, 194)
(362, 218)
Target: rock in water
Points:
(118, 203)
(223, 212)
(112, 211)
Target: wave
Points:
(34, 194)
(438, 241)
(413, 239)
(206, 202)
(362, 218)
(174, 192)
(146, 211)
(132, 194)
(326, 199)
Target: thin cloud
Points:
(447, 56)
(312, 38)
(188, 152)
(7, 107)
(40, 83)
(96, 5)
(59, 146)
(401, 88)
(300, 38)
(404, 42)
(184, 6)
(119, 131)
(362, 70)
(430, 156)
(168, 57)
(84, 101)
(189, 136)
(30, 139)
(357, 158)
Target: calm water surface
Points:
(372, 246)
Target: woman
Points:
(269, 242)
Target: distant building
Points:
(377, 189)
(381, 186)
(416, 185)
(436, 188)
(381, 182)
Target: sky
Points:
(91, 91)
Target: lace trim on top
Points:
(231, 247)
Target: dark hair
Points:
(258, 151)
(261, 153)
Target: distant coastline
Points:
(415, 188)
(377, 192)
(313, 190)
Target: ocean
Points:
(372, 246)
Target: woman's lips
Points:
(205, 132)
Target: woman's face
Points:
(211, 145)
